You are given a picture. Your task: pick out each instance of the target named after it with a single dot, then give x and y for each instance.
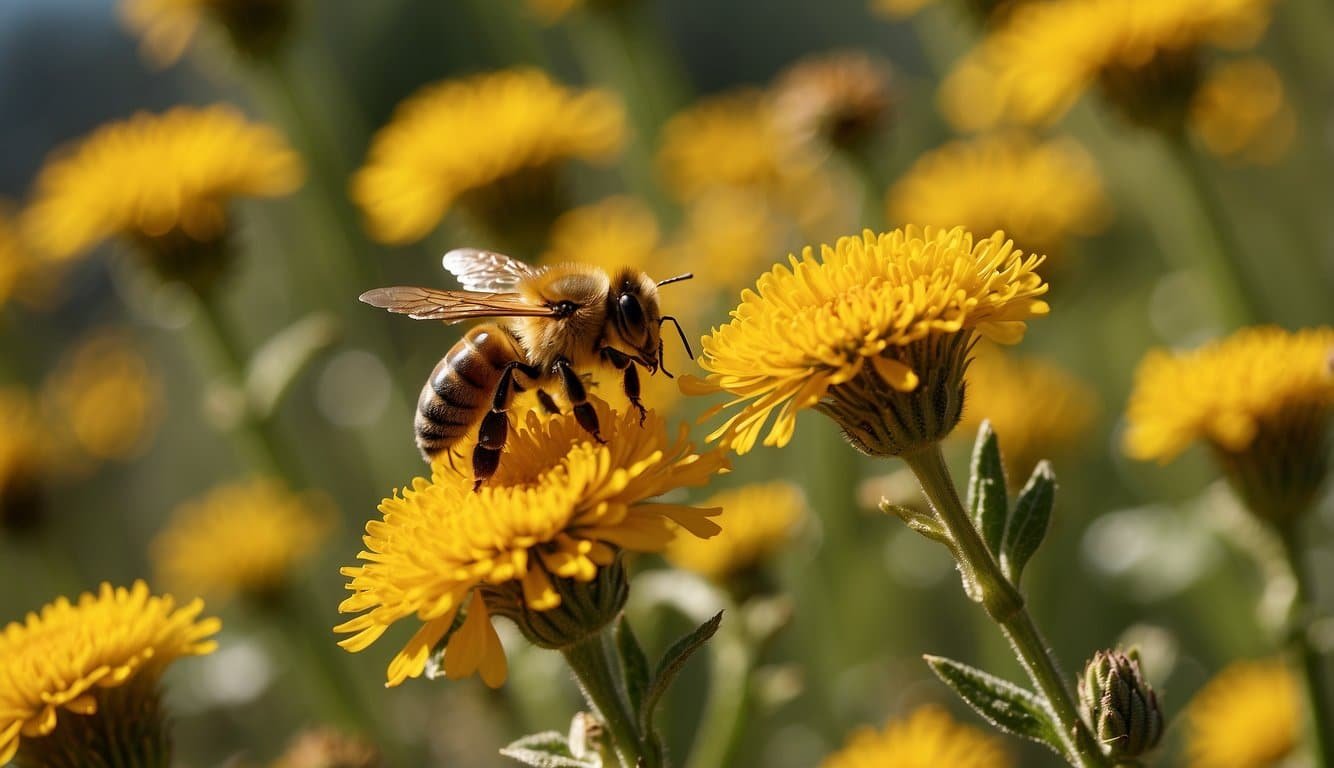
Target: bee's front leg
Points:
(630, 382)
(574, 389)
(495, 427)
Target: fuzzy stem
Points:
(596, 665)
(730, 699)
(1304, 654)
(1005, 606)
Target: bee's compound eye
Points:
(632, 315)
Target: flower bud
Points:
(1118, 702)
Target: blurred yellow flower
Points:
(25, 458)
(167, 26)
(1043, 58)
(462, 136)
(89, 670)
(1240, 113)
(161, 181)
(103, 400)
(612, 233)
(329, 748)
(727, 235)
(843, 97)
(870, 317)
(1248, 716)
(1040, 193)
(244, 538)
(928, 738)
(551, 11)
(1261, 398)
(757, 521)
(15, 262)
(1038, 409)
(558, 511)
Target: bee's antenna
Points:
(676, 279)
(681, 332)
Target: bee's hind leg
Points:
(574, 388)
(495, 426)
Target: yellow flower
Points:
(727, 235)
(161, 181)
(1039, 62)
(255, 27)
(462, 136)
(246, 537)
(92, 667)
(1038, 409)
(1248, 716)
(1240, 113)
(15, 262)
(25, 458)
(1260, 398)
(611, 234)
(1040, 193)
(873, 318)
(103, 398)
(557, 513)
(842, 97)
(927, 738)
(757, 521)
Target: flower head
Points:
(1040, 193)
(757, 521)
(1043, 58)
(1116, 699)
(163, 182)
(104, 397)
(927, 738)
(1240, 113)
(468, 136)
(1248, 716)
(1261, 399)
(1037, 408)
(842, 98)
(96, 660)
(555, 516)
(871, 319)
(611, 234)
(255, 27)
(245, 538)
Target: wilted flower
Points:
(1040, 193)
(874, 333)
(492, 142)
(1038, 409)
(162, 182)
(540, 542)
(928, 738)
(1248, 716)
(757, 521)
(1240, 113)
(81, 679)
(103, 400)
(1260, 398)
(25, 455)
(1042, 59)
(1118, 702)
(329, 748)
(255, 27)
(245, 538)
(842, 98)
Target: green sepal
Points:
(1029, 523)
(549, 749)
(634, 662)
(670, 666)
(1005, 705)
(986, 488)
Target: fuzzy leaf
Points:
(1003, 704)
(923, 523)
(548, 749)
(986, 488)
(670, 667)
(1029, 523)
(635, 663)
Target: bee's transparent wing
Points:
(486, 271)
(451, 306)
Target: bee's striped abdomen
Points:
(460, 390)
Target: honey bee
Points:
(551, 323)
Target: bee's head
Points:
(636, 319)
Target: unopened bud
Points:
(1119, 703)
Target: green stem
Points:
(597, 667)
(1304, 653)
(729, 706)
(1223, 259)
(1005, 606)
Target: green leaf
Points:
(634, 662)
(1029, 523)
(986, 488)
(923, 523)
(670, 667)
(548, 750)
(1000, 702)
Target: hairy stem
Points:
(1304, 654)
(597, 666)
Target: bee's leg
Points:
(622, 362)
(495, 425)
(574, 388)
(547, 402)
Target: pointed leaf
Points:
(670, 667)
(1000, 702)
(923, 523)
(634, 662)
(986, 488)
(547, 750)
(1029, 523)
